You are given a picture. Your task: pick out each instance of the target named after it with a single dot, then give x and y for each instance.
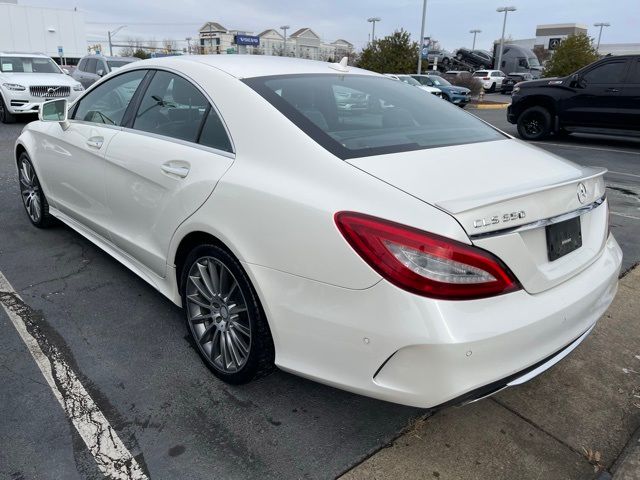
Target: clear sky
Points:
(448, 21)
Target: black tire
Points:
(534, 123)
(259, 361)
(492, 88)
(459, 56)
(33, 198)
(5, 116)
(446, 97)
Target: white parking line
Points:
(624, 173)
(111, 455)
(625, 215)
(585, 147)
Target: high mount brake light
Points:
(424, 263)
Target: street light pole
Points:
(475, 32)
(284, 48)
(504, 25)
(110, 35)
(424, 14)
(188, 39)
(600, 24)
(373, 21)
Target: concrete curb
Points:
(484, 106)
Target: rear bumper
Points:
(389, 344)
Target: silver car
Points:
(93, 67)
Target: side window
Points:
(90, 66)
(634, 74)
(108, 102)
(611, 72)
(213, 133)
(171, 106)
(101, 67)
(82, 64)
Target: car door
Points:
(78, 73)
(630, 95)
(72, 159)
(597, 101)
(163, 166)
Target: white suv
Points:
(29, 79)
(491, 79)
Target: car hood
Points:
(33, 79)
(492, 188)
(429, 89)
(454, 89)
(543, 82)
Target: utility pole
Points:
(110, 35)
(475, 32)
(424, 14)
(373, 21)
(284, 48)
(188, 39)
(600, 24)
(504, 25)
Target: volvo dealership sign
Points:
(251, 40)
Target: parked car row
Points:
(436, 85)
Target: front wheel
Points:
(5, 116)
(534, 123)
(224, 316)
(33, 198)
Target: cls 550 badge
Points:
(494, 220)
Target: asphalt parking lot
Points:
(129, 348)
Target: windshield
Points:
(439, 81)
(533, 62)
(28, 65)
(117, 63)
(380, 117)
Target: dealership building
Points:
(304, 43)
(550, 35)
(55, 32)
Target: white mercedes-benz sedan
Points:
(330, 221)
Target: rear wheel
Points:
(224, 316)
(5, 116)
(33, 199)
(492, 88)
(534, 123)
(446, 97)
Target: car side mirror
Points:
(65, 71)
(577, 81)
(100, 72)
(55, 111)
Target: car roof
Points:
(24, 54)
(248, 66)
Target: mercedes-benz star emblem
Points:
(582, 193)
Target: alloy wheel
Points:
(533, 125)
(217, 315)
(30, 191)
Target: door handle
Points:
(95, 142)
(178, 170)
(612, 90)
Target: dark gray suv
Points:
(93, 67)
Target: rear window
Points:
(360, 115)
(480, 74)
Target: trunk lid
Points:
(503, 193)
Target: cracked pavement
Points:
(129, 348)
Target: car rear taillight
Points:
(424, 263)
(486, 78)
